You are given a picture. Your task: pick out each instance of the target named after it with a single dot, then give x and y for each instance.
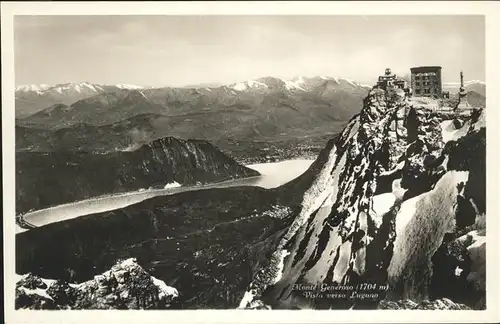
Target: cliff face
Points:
(46, 179)
(398, 203)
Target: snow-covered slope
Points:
(129, 86)
(379, 210)
(247, 85)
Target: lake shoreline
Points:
(273, 175)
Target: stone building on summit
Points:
(426, 81)
(390, 80)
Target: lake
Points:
(272, 175)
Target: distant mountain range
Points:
(472, 85)
(263, 109)
(91, 117)
(32, 98)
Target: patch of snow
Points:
(20, 277)
(128, 86)
(89, 86)
(406, 213)
(130, 262)
(142, 93)
(477, 239)
(481, 122)
(98, 87)
(422, 222)
(382, 204)
(48, 282)
(280, 266)
(240, 86)
(172, 185)
(294, 84)
(255, 84)
(397, 190)
(448, 131)
(19, 229)
(165, 291)
(247, 299)
(251, 84)
(37, 291)
(33, 87)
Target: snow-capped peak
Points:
(295, 84)
(128, 86)
(70, 86)
(78, 87)
(33, 87)
(60, 88)
(251, 84)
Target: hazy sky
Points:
(181, 50)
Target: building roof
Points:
(423, 69)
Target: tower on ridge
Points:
(462, 96)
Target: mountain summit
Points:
(396, 209)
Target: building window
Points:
(417, 91)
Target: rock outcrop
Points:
(381, 212)
(125, 286)
(438, 304)
(47, 179)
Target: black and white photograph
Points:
(249, 162)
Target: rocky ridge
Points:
(125, 286)
(397, 188)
